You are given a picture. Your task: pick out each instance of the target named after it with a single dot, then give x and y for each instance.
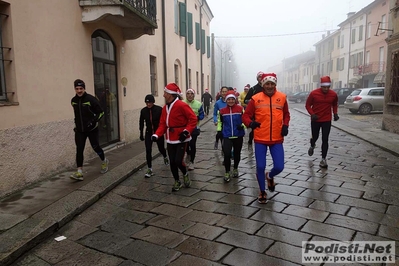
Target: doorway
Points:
(105, 86)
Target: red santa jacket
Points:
(322, 104)
(175, 118)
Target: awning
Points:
(354, 80)
(379, 78)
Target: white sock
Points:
(80, 171)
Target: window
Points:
(153, 75)
(360, 32)
(190, 28)
(338, 41)
(196, 80)
(383, 23)
(394, 93)
(176, 7)
(342, 41)
(190, 85)
(208, 46)
(367, 58)
(3, 91)
(203, 41)
(369, 30)
(177, 79)
(182, 19)
(197, 36)
(353, 35)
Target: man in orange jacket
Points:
(270, 109)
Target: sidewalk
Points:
(32, 215)
(382, 139)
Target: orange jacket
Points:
(272, 112)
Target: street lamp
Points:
(224, 76)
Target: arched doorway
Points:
(105, 86)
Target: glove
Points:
(284, 131)
(91, 124)
(254, 124)
(154, 138)
(141, 136)
(314, 117)
(336, 117)
(183, 135)
(240, 127)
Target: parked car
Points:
(298, 97)
(343, 93)
(365, 100)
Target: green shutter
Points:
(208, 46)
(183, 19)
(197, 36)
(176, 8)
(203, 41)
(190, 28)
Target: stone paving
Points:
(141, 222)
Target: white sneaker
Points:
(191, 166)
(104, 166)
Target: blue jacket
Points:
(230, 119)
(218, 105)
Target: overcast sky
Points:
(251, 27)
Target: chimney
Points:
(322, 36)
(350, 14)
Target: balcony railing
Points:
(134, 17)
(147, 8)
(370, 68)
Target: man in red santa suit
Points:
(177, 121)
(322, 106)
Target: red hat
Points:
(230, 94)
(260, 73)
(247, 87)
(172, 88)
(325, 81)
(272, 77)
(206, 90)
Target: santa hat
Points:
(247, 87)
(260, 73)
(325, 81)
(206, 90)
(190, 90)
(172, 88)
(230, 94)
(268, 77)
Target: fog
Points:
(256, 35)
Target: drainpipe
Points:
(186, 50)
(364, 51)
(349, 53)
(164, 45)
(202, 68)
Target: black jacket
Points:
(206, 98)
(252, 91)
(150, 123)
(87, 111)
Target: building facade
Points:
(390, 120)
(123, 50)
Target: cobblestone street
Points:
(141, 222)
